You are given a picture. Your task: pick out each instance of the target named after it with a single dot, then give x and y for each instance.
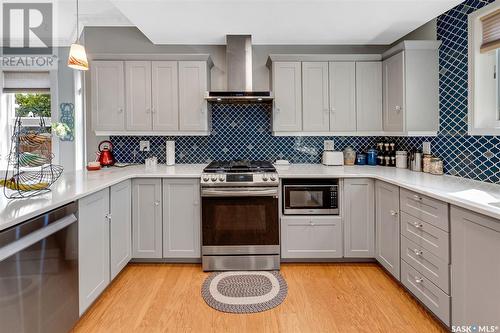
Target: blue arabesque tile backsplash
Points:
(243, 131)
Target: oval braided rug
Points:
(244, 292)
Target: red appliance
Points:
(106, 157)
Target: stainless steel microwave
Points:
(311, 197)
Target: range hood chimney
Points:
(239, 74)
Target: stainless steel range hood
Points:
(239, 74)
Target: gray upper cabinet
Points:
(369, 96)
(141, 97)
(359, 218)
(410, 88)
(387, 227)
(181, 218)
(287, 89)
(343, 96)
(393, 74)
(146, 218)
(315, 96)
(193, 84)
(93, 247)
(165, 94)
(108, 95)
(138, 93)
(121, 226)
(475, 268)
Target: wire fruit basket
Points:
(30, 171)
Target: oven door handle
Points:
(240, 192)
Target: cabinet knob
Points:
(418, 225)
(419, 280)
(120, 110)
(398, 108)
(153, 110)
(156, 203)
(418, 252)
(108, 217)
(417, 197)
(277, 109)
(311, 223)
(332, 110)
(202, 110)
(393, 212)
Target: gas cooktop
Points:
(244, 166)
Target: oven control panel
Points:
(267, 179)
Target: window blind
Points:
(26, 82)
(491, 31)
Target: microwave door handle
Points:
(239, 193)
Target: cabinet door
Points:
(475, 268)
(121, 226)
(287, 90)
(342, 96)
(181, 218)
(387, 227)
(359, 213)
(165, 96)
(315, 108)
(93, 247)
(138, 91)
(108, 95)
(311, 237)
(369, 96)
(146, 218)
(394, 92)
(193, 84)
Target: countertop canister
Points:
(401, 159)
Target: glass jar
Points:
(401, 159)
(426, 163)
(436, 167)
(349, 156)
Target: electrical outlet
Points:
(143, 145)
(426, 147)
(328, 145)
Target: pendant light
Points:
(77, 58)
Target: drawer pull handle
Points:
(393, 212)
(417, 252)
(419, 280)
(418, 225)
(417, 197)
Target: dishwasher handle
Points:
(36, 236)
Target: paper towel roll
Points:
(170, 152)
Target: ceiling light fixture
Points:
(77, 58)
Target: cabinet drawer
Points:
(432, 267)
(427, 292)
(424, 208)
(426, 235)
(311, 237)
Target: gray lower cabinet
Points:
(146, 218)
(311, 237)
(121, 226)
(359, 218)
(475, 268)
(93, 247)
(387, 227)
(181, 218)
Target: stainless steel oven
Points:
(240, 228)
(311, 197)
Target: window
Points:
(484, 71)
(27, 95)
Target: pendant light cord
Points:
(77, 24)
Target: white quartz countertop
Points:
(75, 185)
(480, 197)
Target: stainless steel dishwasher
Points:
(39, 273)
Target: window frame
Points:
(474, 111)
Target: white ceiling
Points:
(280, 21)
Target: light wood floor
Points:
(321, 298)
